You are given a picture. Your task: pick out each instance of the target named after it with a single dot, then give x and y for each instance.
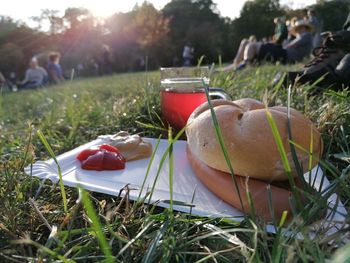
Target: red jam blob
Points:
(105, 157)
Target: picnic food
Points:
(252, 151)
(105, 157)
(249, 139)
(223, 186)
(131, 146)
(121, 148)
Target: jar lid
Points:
(189, 84)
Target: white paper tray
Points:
(186, 186)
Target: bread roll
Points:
(248, 138)
(222, 185)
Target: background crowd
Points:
(293, 41)
(179, 34)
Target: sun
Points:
(105, 8)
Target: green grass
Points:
(98, 226)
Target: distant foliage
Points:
(149, 28)
(159, 35)
(333, 14)
(148, 25)
(257, 18)
(11, 56)
(199, 23)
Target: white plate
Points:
(186, 186)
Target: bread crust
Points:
(249, 140)
(222, 185)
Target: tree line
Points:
(146, 36)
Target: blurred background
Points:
(145, 33)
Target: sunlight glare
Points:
(108, 8)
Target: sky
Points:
(23, 10)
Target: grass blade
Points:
(200, 60)
(279, 142)
(310, 149)
(284, 157)
(46, 250)
(297, 164)
(161, 163)
(96, 225)
(250, 200)
(149, 166)
(139, 234)
(283, 219)
(221, 141)
(171, 168)
(271, 209)
(49, 149)
(152, 248)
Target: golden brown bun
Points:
(222, 185)
(248, 138)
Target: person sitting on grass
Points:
(330, 66)
(2, 80)
(240, 53)
(54, 68)
(35, 76)
(281, 31)
(295, 51)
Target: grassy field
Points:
(34, 226)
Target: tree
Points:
(332, 13)
(76, 16)
(135, 34)
(256, 18)
(148, 25)
(51, 16)
(121, 40)
(11, 58)
(7, 25)
(18, 43)
(198, 22)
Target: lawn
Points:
(35, 227)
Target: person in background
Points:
(2, 80)
(54, 68)
(79, 69)
(11, 81)
(187, 54)
(290, 25)
(295, 51)
(106, 67)
(240, 53)
(317, 26)
(331, 62)
(35, 76)
(281, 31)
